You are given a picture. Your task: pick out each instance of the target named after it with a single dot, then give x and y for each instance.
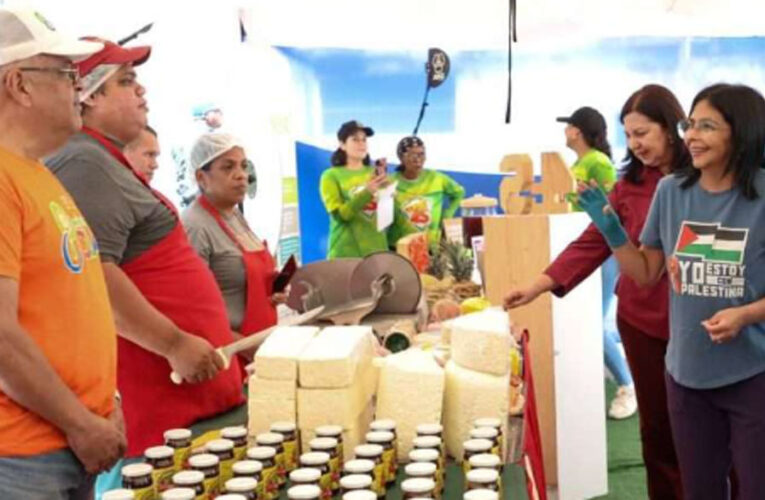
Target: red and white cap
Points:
(26, 33)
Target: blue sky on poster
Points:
(464, 123)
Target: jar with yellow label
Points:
(288, 430)
(489, 433)
(237, 435)
(268, 488)
(495, 423)
(177, 494)
(119, 494)
(329, 446)
(355, 482)
(427, 470)
(333, 431)
(180, 441)
(162, 458)
(209, 465)
(138, 477)
(359, 466)
(224, 450)
(275, 441)
(419, 487)
(304, 492)
(433, 442)
(474, 447)
(319, 460)
(385, 439)
(190, 480)
(248, 468)
(374, 452)
(482, 479)
(432, 456)
(245, 486)
(481, 495)
(305, 475)
(387, 425)
(360, 495)
(487, 461)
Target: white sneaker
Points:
(624, 404)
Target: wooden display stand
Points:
(566, 346)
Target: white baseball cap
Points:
(210, 146)
(25, 33)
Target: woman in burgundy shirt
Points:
(650, 117)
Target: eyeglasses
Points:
(703, 126)
(72, 73)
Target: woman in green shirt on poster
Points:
(348, 191)
(586, 136)
(423, 197)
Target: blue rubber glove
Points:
(593, 201)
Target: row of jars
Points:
(172, 466)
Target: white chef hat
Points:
(210, 146)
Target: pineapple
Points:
(460, 263)
(438, 264)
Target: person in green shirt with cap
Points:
(586, 136)
(423, 197)
(348, 191)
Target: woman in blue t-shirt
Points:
(706, 226)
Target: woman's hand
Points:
(375, 183)
(279, 298)
(725, 325)
(519, 297)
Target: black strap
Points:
(512, 37)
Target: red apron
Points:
(175, 280)
(259, 268)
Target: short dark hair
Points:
(743, 109)
(658, 104)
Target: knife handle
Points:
(226, 360)
(178, 380)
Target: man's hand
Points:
(97, 442)
(725, 325)
(117, 417)
(518, 297)
(194, 358)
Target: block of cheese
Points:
(446, 331)
(482, 341)
(277, 358)
(270, 401)
(470, 395)
(336, 406)
(332, 358)
(352, 436)
(410, 392)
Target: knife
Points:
(227, 352)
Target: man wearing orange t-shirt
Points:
(59, 421)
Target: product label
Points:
(226, 471)
(290, 455)
(281, 468)
(212, 487)
(389, 461)
(181, 458)
(325, 483)
(378, 479)
(334, 472)
(268, 488)
(163, 479)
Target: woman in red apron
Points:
(241, 263)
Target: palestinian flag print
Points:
(711, 242)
